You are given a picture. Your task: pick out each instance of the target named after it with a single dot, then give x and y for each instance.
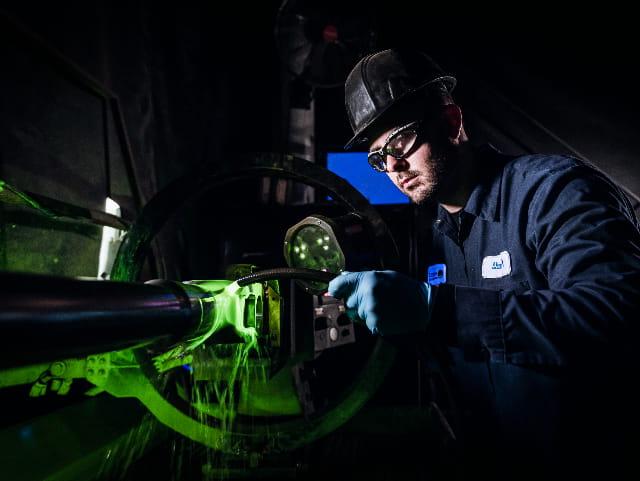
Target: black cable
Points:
(286, 273)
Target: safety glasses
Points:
(399, 144)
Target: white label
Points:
(494, 267)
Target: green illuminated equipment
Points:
(329, 244)
(93, 373)
(50, 318)
(230, 364)
(208, 330)
(312, 244)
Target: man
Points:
(533, 280)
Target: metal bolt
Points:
(57, 369)
(90, 372)
(333, 334)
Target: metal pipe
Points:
(44, 318)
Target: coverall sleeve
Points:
(583, 236)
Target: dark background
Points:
(198, 83)
(201, 84)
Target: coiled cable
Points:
(286, 273)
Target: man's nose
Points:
(396, 165)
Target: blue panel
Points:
(375, 186)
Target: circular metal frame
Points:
(290, 434)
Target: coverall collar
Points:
(485, 198)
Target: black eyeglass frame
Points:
(382, 152)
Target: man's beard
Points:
(436, 179)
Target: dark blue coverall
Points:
(538, 306)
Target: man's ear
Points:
(453, 119)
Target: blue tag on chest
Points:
(437, 274)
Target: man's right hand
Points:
(387, 301)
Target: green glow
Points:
(131, 382)
(319, 251)
(226, 379)
(311, 247)
(281, 435)
(11, 195)
(239, 381)
(34, 239)
(225, 309)
(254, 398)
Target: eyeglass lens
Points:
(397, 146)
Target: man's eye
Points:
(393, 150)
(401, 142)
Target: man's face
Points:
(420, 175)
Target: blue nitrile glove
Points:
(387, 301)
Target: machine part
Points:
(287, 273)
(22, 375)
(133, 373)
(277, 435)
(208, 366)
(110, 241)
(236, 271)
(312, 244)
(98, 368)
(303, 377)
(132, 382)
(133, 250)
(229, 369)
(56, 209)
(229, 313)
(332, 326)
(274, 306)
(51, 318)
(329, 244)
(56, 377)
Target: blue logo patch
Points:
(437, 274)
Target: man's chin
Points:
(420, 195)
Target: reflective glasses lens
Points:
(377, 161)
(401, 143)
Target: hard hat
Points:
(380, 80)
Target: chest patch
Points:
(494, 267)
(437, 274)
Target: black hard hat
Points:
(380, 80)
